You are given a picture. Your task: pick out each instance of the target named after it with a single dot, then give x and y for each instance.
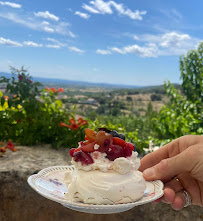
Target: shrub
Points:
(30, 114)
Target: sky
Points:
(132, 42)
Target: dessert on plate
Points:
(106, 170)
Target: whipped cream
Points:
(121, 165)
(110, 187)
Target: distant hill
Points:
(71, 83)
(83, 84)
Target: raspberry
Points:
(72, 150)
(115, 151)
(103, 148)
(83, 157)
(127, 150)
(131, 145)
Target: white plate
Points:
(49, 183)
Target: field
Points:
(119, 101)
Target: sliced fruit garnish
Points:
(77, 149)
(89, 147)
(102, 136)
(103, 148)
(72, 151)
(115, 151)
(131, 145)
(83, 157)
(90, 134)
(128, 150)
(119, 141)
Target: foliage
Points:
(179, 117)
(155, 97)
(191, 67)
(30, 114)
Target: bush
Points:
(156, 97)
(30, 114)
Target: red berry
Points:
(72, 150)
(103, 148)
(131, 145)
(115, 151)
(83, 157)
(127, 150)
(119, 141)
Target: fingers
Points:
(173, 196)
(170, 190)
(170, 167)
(173, 191)
(170, 150)
(192, 186)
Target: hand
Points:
(183, 159)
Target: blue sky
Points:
(123, 42)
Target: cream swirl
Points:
(121, 165)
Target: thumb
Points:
(166, 169)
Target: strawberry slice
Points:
(89, 147)
(119, 141)
(77, 149)
(130, 145)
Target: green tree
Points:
(191, 67)
(184, 113)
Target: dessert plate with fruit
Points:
(103, 179)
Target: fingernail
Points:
(149, 172)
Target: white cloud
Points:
(120, 51)
(10, 4)
(173, 39)
(71, 34)
(171, 43)
(53, 46)
(48, 29)
(47, 15)
(75, 49)
(61, 28)
(82, 15)
(9, 42)
(45, 23)
(149, 50)
(32, 44)
(167, 44)
(90, 9)
(56, 42)
(101, 7)
(100, 51)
